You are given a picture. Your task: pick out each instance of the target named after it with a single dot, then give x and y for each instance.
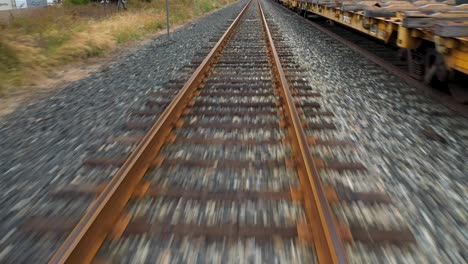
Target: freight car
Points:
(432, 36)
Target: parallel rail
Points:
(88, 235)
(326, 238)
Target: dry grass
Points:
(33, 46)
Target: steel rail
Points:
(326, 238)
(86, 238)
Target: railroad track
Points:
(233, 169)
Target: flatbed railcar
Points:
(432, 36)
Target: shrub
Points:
(33, 45)
(78, 2)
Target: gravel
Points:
(415, 148)
(201, 250)
(43, 144)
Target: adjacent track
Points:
(257, 98)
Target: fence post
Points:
(167, 18)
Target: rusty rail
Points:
(85, 239)
(326, 237)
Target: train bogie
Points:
(432, 36)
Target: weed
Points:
(38, 43)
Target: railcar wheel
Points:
(436, 73)
(403, 54)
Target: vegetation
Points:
(33, 45)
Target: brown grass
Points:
(35, 45)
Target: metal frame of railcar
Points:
(432, 35)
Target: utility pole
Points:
(167, 19)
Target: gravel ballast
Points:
(415, 150)
(415, 147)
(44, 144)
